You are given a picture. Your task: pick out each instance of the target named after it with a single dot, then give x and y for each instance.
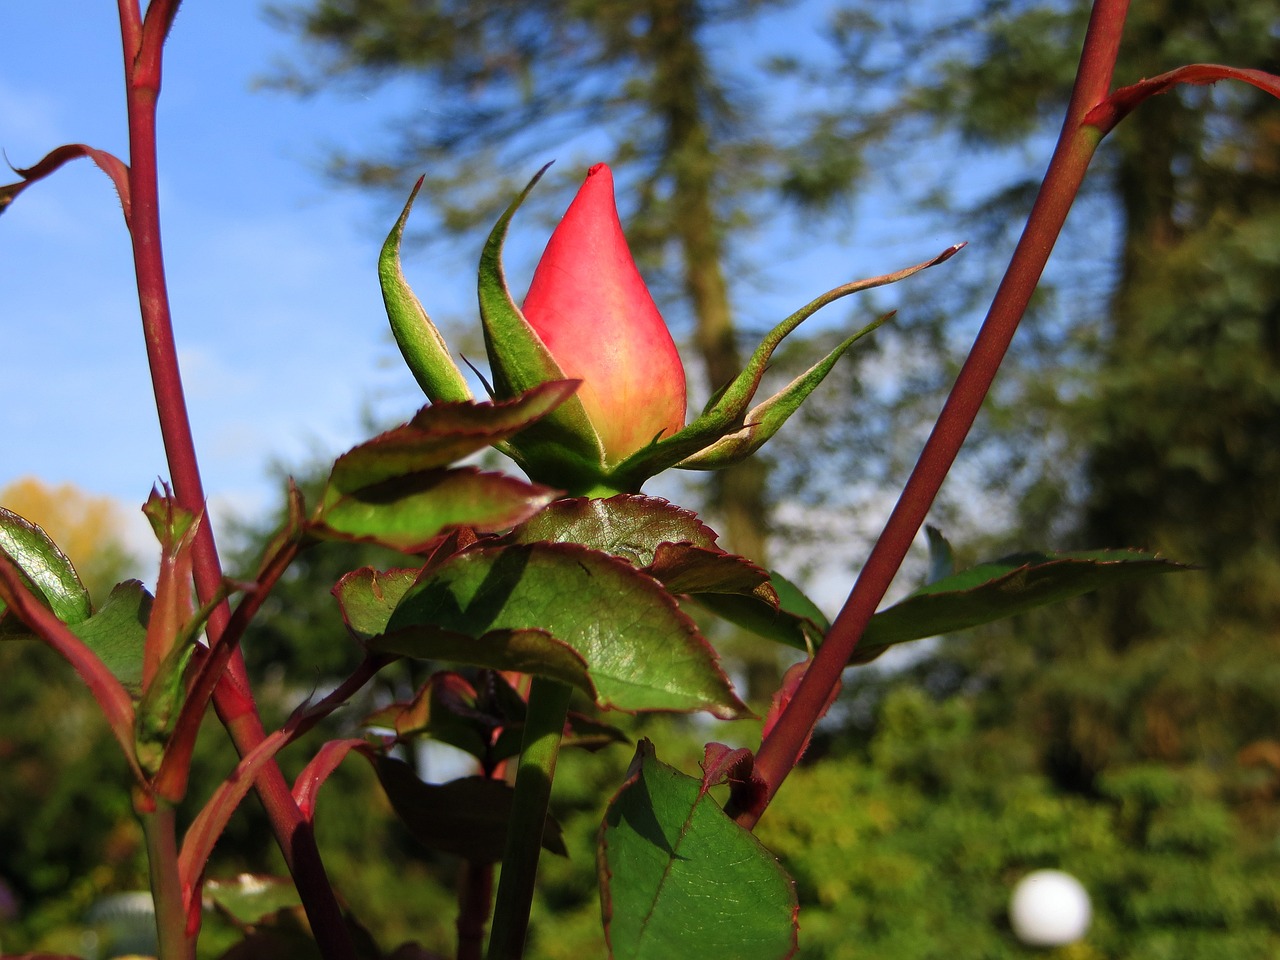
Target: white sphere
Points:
(1049, 908)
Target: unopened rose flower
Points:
(597, 319)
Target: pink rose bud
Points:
(593, 312)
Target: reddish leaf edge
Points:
(108, 163)
(1123, 101)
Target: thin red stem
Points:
(232, 699)
(781, 750)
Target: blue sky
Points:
(280, 327)
(278, 319)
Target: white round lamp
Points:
(1049, 908)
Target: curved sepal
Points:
(727, 409)
(764, 420)
(564, 447)
(421, 344)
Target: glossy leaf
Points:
(629, 526)
(667, 542)
(46, 570)
(368, 597)
(118, 632)
(641, 651)
(407, 513)
(1003, 588)
(678, 878)
(467, 817)
(440, 435)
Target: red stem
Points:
(781, 750)
(233, 701)
(475, 896)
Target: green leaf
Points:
(629, 526)
(1003, 588)
(117, 633)
(46, 569)
(395, 489)
(794, 619)
(368, 597)
(678, 878)
(641, 651)
(249, 898)
(424, 349)
(665, 541)
(565, 443)
(440, 435)
(521, 651)
(407, 513)
(467, 818)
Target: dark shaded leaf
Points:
(794, 620)
(249, 897)
(439, 435)
(520, 651)
(467, 818)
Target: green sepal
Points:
(726, 411)
(765, 419)
(564, 448)
(424, 349)
(159, 707)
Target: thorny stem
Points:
(781, 750)
(543, 731)
(143, 42)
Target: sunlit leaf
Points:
(641, 651)
(678, 878)
(47, 571)
(1003, 588)
(118, 631)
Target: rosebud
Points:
(593, 312)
